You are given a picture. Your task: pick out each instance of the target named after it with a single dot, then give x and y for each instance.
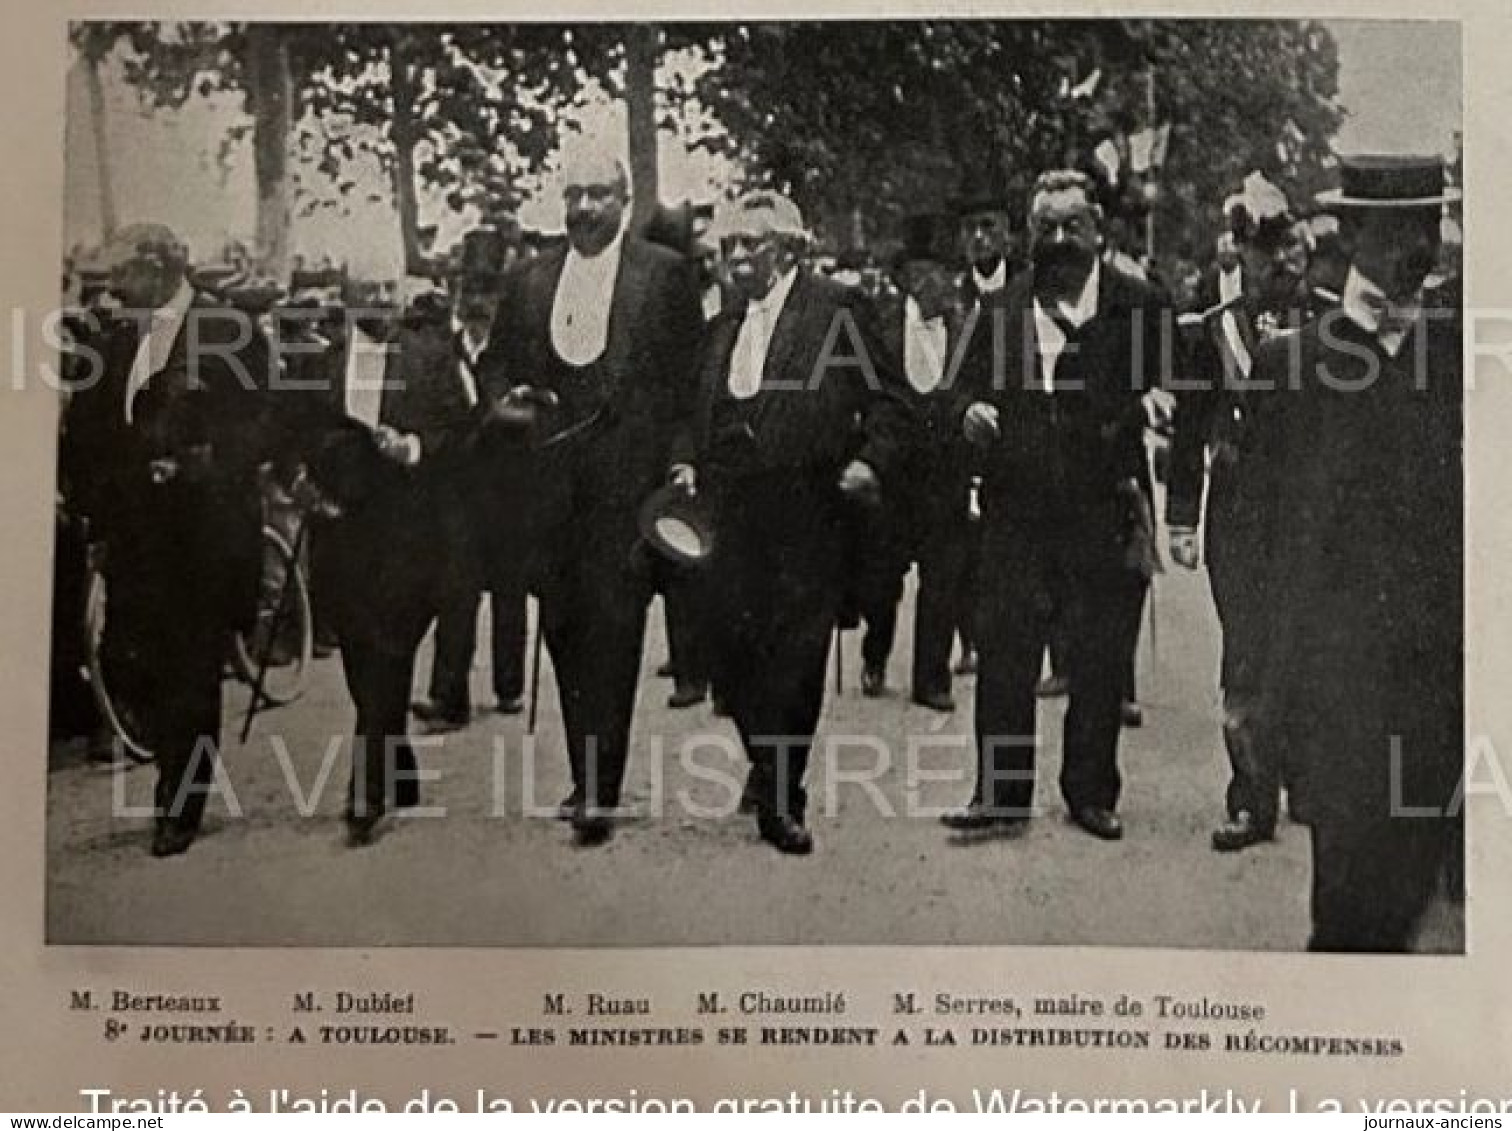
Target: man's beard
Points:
(590, 231)
(1061, 269)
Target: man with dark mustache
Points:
(1055, 380)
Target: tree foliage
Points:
(892, 117)
(861, 121)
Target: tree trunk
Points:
(99, 126)
(640, 100)
(270, 97)
(403, 134)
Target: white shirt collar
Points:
(915, 316)
(1051, 338)
(585, 294)
(156, 345)
(605, 259)
(176, 307)
(990, 284)
(474, 343)
(1230, 285)
(754, 339)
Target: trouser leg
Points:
(456, 641)
(942, 573)
(1096, 617)
(1372, 882)
(1013, 621)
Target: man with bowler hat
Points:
(489, 559)
(1358, 462)
(1055, 380)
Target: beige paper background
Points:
(1455, 1014)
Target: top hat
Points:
(1386, 181)
(676, 525)
(485, 253)
(983, 190)
(672, 226)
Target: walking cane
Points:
(1154, 631)
(535, 677)
(280, 615)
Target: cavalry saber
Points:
(280, 616)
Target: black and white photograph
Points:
(890, 482)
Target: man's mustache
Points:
(1054, 257)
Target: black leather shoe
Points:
(511, 706)
(440, 719)
(1052, 687)
(1131, 715)
(363, 831)
(591, 828)
(1242, 832)
(1101, 823)
(169, 839)
(873, 683)
(684, 697)
(935, 701)
(785, 833)
(976, 818)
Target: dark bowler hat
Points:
(1386, 181)
(676, 525)
(926, 236)
(983, 190)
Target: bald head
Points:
(588, 168)
(595, 189)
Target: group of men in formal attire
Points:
(996, 429)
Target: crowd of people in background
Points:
(1009, 385)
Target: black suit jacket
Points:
(1357, 467)
(1062, 456)
(941, 463)
(198, 535)
(423, 396)
(640, 394)
(1214, 406)
(830, 392)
